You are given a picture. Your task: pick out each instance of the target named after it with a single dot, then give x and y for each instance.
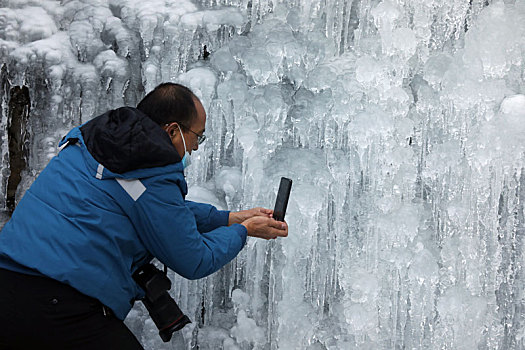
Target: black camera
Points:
(162, 309)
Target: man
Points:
(110, 201)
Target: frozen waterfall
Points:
(401, 122)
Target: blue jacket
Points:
(109, 202)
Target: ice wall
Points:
(402, 124)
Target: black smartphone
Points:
(282, 199)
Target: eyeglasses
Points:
(200, 138)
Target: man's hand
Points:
(265, 227)
(243, 215)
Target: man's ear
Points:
(171, 129)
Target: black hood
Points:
(126, 139)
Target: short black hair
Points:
(168, 103)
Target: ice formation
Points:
(401, 122)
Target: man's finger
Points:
(277, 232)
(262, 213)
(266, 212)
(277, 224)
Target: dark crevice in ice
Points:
(468, 17)
(19, 103)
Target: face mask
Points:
(186, 160)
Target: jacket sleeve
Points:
(207, 217)
(168, 229)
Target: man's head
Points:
(179, 112)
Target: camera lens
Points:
(166, 333)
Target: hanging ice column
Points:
(401, 123)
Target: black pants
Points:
(41, 313)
